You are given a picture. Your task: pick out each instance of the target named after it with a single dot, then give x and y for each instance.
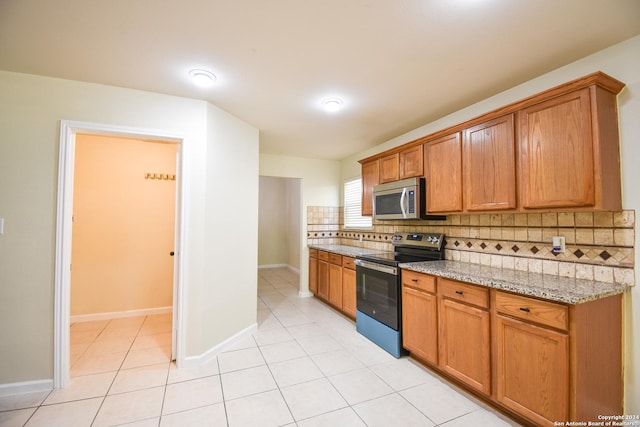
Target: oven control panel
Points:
(429, 240)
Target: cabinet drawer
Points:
(347, 262)
(335, 259)
(533, 310)
(313, 253)
(463, 292)
(424, 282)
(324, 256)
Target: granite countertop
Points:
(550, 287)
(352, 251)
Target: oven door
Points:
(378, 292)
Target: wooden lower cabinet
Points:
(420, 323)
(334, 278)
(323, 275)
(464, 351)
(335, 285)
(532, 370)
(348, 287)
(313, 271)
(538, 360)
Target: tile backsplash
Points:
(599, 245)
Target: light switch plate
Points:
(1, 226)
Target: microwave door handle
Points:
(403, 202)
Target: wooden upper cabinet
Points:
(444, 174)
(411, 162)
(489, 166)
(557, 153)
(370, 177)
(569, 152)
(389, 168)
(555, 150)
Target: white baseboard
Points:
(120, 314)
(193, 361)
(264, 266)
(305, 294)
(287, 266)
(294, 269)
(26, 387)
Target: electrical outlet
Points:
(558, 243)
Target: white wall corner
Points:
(195, 361)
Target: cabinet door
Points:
(389, 168)
(443, 163)
(556, 153)
(411, 161)
(323, 279)
(532, 370)
(489, 167)
(313, 275)
(335, 285)
(349, 291)
(370, 177)
(464, 344)
(420, 324)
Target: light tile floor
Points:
(305, 366)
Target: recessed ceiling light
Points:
(202, 78)
(332, 104)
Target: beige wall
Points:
(273, 246)
(294, 215)
(279, 222)
(320, 185)
(123, 225)
(621, 61)
(218, 149)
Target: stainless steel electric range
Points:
(378, 287)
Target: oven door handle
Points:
(377, 267)
(403, 202)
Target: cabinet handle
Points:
(414, 280)
(525, 309)
(459, 292)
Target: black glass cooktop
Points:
(410, 247)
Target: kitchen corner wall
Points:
(599, 246)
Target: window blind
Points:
(353, 205)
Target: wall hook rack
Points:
(160, 176)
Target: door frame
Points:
(64, 213)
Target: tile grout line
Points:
(325, 376)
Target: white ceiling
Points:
(398, 64)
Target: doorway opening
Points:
(86, 304)
(279, 222)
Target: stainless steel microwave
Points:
(404, 199)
